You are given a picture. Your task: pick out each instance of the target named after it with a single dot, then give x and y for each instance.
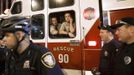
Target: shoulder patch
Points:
(48, 60)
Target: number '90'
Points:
(63, 58)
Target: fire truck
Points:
(79, 54)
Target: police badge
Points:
(127, 60)
(48, 60)
(26, 64)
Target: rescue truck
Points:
(79, 54)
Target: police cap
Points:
(124, 21)
(104, 27)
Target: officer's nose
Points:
(2, 44)
(4, 41)
(116, 32)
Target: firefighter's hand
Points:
(95, 71)
(71, 35)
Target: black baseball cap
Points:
(104, 27)
(124, 21)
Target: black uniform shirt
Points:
(108, 54)
(34, 60)
(2, 61)
(125, 61)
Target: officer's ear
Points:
(110, 34)
(19, 35)
(131, 30)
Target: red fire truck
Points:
(80, 52)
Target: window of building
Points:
(17, 8)
(62, 25)
(37, 5)
(37, 22)
(60, 3)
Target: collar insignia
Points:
(127, 60)
(105, 53)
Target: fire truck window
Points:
(60, 3)
(37, 5)
(37, 22)
(16, 8)
(62, 25)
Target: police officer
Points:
(26, 58)
(108, 51)
(2, 59)
(2, 55)
(125, 58)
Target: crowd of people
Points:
(19, 56)
(117, 57)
